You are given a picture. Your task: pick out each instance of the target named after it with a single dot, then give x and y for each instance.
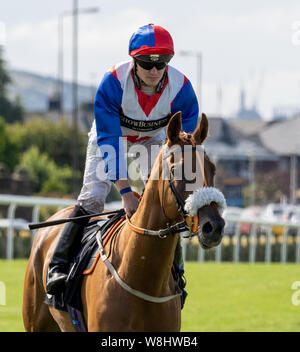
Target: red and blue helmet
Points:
(151, 40)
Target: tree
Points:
(4, 77)
(11, 111)
(9, 151)
(55, 139)
(43, 170)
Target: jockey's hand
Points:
(130, 203)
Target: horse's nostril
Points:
(207, 228)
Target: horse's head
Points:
(190, 191)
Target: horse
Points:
(141, 254)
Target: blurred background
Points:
(243, 61)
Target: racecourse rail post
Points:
(298, 246)
(283, 253)
(252, 244)
(35, 218)
(201, 254)
(10, 232)
(236, 251)
(218, 257)
(268, 253)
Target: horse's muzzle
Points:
(210, 233)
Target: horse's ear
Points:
(201, 131)
(174, 127)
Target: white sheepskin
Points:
(204, 196)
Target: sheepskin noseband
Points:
(204, 196)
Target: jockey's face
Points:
(150, 77)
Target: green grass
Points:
(241, 297)
(222, 297)
(12, 274)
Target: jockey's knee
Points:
(93, 198)
(92, 205)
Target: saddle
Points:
(83, 263)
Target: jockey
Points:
(133, 104)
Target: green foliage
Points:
(11, 111)
(55, 139)
(9, 151)
(44, 149)
(43, 170)
(4, 77)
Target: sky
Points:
(252, 44)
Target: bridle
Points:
(190, 221)
(189, 225)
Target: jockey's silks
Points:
(119, 103)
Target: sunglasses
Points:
(149, 65)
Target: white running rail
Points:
(13, 201)
(35, 203)
(268, 225)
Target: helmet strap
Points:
(161, 82)
(136, 77)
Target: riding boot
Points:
(64, 251)
(179, 268)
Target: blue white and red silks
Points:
(119, 95)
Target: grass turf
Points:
(222, 297)
(241, 297)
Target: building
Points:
(235, 147)
(245, 113)
(282, 138)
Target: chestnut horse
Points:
(143, 262)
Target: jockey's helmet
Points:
(151, 43)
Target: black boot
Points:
(64, 251)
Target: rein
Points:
(162, 233)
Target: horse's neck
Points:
(149, 258)
(150, 214)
